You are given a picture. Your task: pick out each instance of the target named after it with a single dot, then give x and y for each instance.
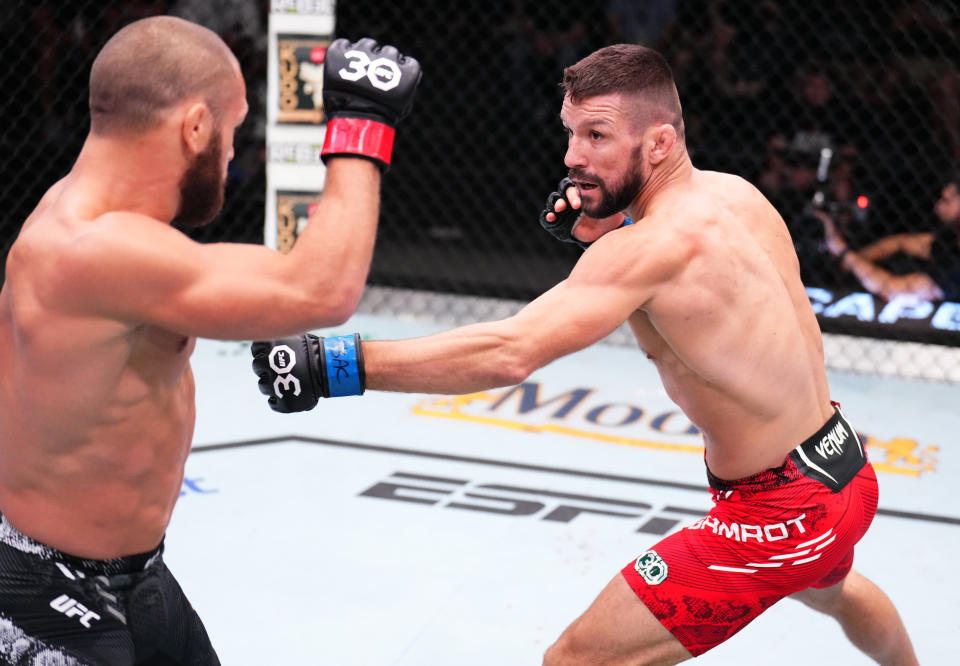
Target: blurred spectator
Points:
(684, 47)
(790, 182)
(538, 43)
(928, 42)
(815, 117)
(643, 23)
(233, 19)
(938, 274)
(730, 61)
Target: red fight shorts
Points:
(768, 535)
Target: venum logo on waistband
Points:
(832, 443)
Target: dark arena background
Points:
(838, 109)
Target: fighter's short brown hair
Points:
(628, 69)
(151, 65)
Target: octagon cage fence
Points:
(845, 113)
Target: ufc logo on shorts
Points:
(382, 73)
(73, 608)
(282, 359)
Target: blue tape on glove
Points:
(343, 370)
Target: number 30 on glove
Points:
(296, 372)
(367, 90)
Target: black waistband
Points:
(14, 538)
(833, 455)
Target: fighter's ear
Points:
(662, 139)
(196, 127)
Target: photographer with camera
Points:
(938, 251)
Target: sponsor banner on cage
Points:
(901, 318)
(300, 31)
(294, 153)
(321, 8)
(309, 16)
(300, 75)
(293, 209)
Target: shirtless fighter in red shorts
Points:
(708, 280)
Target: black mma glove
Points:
(367, 90)
(297, 371)
(562, 227)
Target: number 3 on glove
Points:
(296, 372)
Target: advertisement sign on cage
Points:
(299, 33)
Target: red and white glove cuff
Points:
(359, 136)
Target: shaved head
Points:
(152, 65)
(635, 71)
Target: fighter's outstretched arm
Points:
(572, 315)
(605, 287)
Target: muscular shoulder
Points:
(701, 228)
(117, 235)
(710, 194)
(718, 208)
(64, 235)
(78, 259)
(642, 256)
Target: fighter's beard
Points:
(613, 198)
(202, 187)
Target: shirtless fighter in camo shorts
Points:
(100, 311)
(707, 277)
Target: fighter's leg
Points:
(159, 601)
(616, 629)
(867, 616)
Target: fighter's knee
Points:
(824, 600)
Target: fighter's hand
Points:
(367, 90)
(563, 219)
(296, 372)
(562, 212)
